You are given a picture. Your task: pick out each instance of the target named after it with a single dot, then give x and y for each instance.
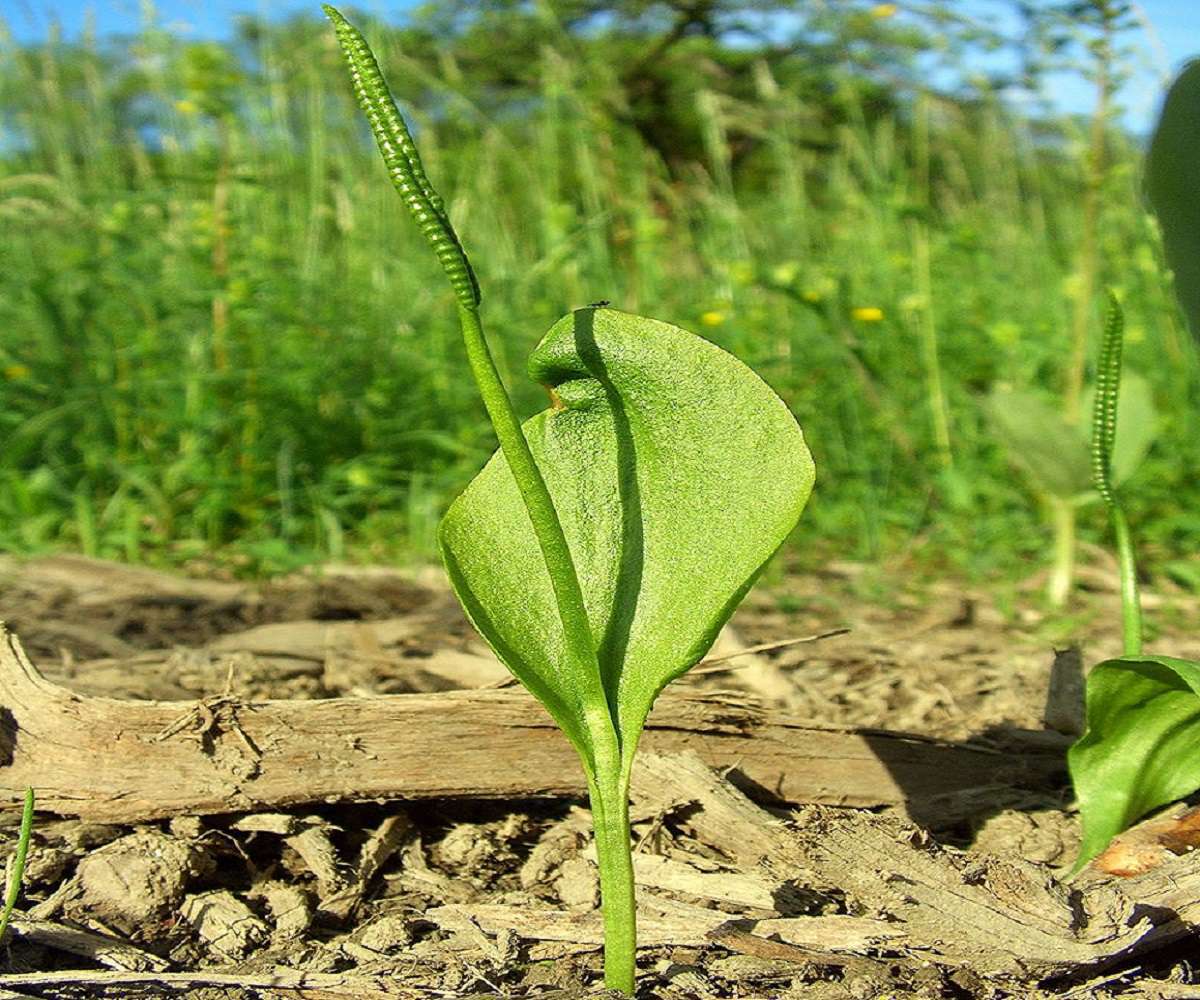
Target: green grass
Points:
(220, 337)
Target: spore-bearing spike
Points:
(1108, 389)
(402, 160)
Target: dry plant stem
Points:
(111, 952)
(110, 760)
(103, 983)
(1062, 573)
(998, 918)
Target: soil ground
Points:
(242, 894)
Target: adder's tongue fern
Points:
(1104, 411)
(676, 485)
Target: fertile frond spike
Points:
(1108, 389)
(402, 159)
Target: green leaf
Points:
(1053, 453)
(676, 473)
(1141, 746)
(1056, 455)
(1173, 186)
(1137, 424)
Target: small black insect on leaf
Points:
(599, 305)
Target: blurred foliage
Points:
(219, 334)
(1171, 176)
(1055, 453)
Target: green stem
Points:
(1104, 436)
(614, 856)
(403, 162)
(540, 506)
(16, 872)
(934, 393)
(1061, 576)
(600, 748)
(1089, 263)
(1131, 604)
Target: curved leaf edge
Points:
(1108, 680)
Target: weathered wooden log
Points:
(121, 761)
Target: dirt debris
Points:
(290, 909)
(225, 926)
(462, 898)
(136, 883)
(1045, 836)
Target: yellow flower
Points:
(867, 314)
(187, 107)
(1072, 285)
(785, 273)
(714, 317)
(359, 476)
(239, 290)
(811, 295)
(1005, 333)
(14, 372)
(882, 10)
(742, 272)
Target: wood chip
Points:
(226, 925)
(110, 952)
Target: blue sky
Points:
(1173, 34)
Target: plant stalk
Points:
(1131, 602)
(614, 857)
(600, 749)
(1104, 437)
(923, 280)
(608, 781)
(1089, 264)
(538, 503)
(403, 162)
(927, 328)
(16, 870)
(1063, 573)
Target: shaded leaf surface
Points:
(676, 472)
(1055, 454)
(1137, 424)
(1173, 186)
(1141, 747)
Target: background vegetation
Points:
(221, 338)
